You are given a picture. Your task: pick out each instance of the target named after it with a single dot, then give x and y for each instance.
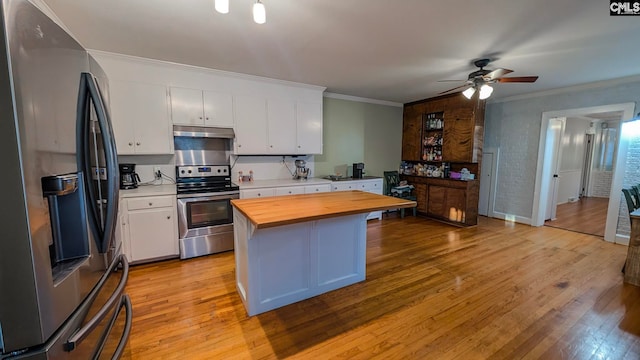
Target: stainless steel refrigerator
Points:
(62, 276)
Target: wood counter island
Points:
(291, 248)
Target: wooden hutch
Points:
(439, 131)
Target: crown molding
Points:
(361, 99)
(574, 88)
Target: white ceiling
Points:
(393, 50)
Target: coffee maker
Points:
(358, 170)
(128, 177)
(302, 172)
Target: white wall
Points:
(513, 126)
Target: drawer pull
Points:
(130, 144)
(168, 217)
(138, 143)
(150, 204)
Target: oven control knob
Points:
(218, 171)
(181, 171)
(189, 171)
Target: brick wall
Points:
(513, 127)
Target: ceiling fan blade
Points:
(493, 75)
(522, 79)
(455, 88)
(452, 80)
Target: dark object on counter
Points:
(446, 168)
(358, 170)
(128, 177)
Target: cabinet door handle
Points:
(130, 144)
(299, 146)
(239, 145)
(207, 118)
(138, 143)
(168, 217)
(200, 117)
(150, 204)
(270, 146)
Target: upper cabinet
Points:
(309, 127)
(202, 108)
(444, 129)
(250, 125)
(277, 126)
(140, 118)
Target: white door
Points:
(152, 123)
(309, 124)
(218, 109)
(485, 183)
(281, 120)
(186, 106)
(555, 131)
(250, 125)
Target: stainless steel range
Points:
(205, 215)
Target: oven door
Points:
(200, 214)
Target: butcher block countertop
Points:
(283, 210)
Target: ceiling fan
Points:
(480, 80)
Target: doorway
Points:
(544, 190)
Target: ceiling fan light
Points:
(469, 92)
(259, 12)
(485, 91)
(222, 6)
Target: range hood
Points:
(203, 132)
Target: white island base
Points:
(280, 265)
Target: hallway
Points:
(587, 215)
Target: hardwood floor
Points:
(493, 291)
(587, 215)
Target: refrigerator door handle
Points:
(82, 333)
(90, 91)
(125, 302)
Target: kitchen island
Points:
(291, 248)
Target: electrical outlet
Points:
(157, 174)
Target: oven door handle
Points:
(209, 196)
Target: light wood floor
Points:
(494, 291)
(587, 215)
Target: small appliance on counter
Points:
(128, 177)
(358, 170)
(302, 172)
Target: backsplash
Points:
(146, 163)
(268, 167)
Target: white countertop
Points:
(256, 184)
(149, 190)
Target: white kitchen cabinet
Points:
(201, 107)
(277, 126)
(121, 235)
(309, 127)
(289, 190)
(281, 126)
(312, 189)
(257, 193)
(369, 185)
(152, 227)
(140, 118)
(250, 125)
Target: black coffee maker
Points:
(128, 177)
(358, 170)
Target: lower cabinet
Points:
(454, 201)
(369, 185)
(283, 190)
(149, 228)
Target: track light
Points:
(469, 92)
(222, 6)
(485, 91)
(259, 12)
